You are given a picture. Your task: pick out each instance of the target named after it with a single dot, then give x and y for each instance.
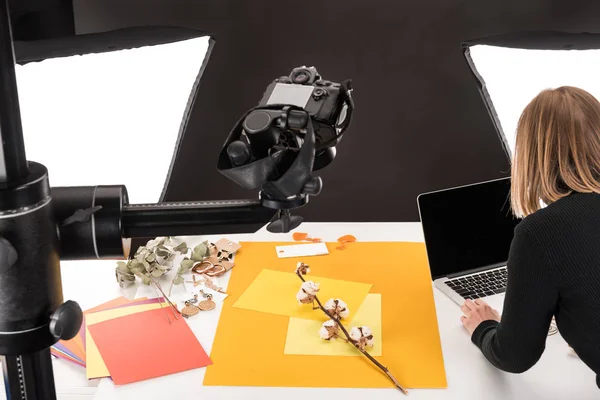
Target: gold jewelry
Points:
(197, 269)
(189, 310)
(216, 270)
(208, 304)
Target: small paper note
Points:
(302, 250)
(275, 292)
(303, 334)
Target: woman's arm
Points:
(517, 342)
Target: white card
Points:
(301, 250)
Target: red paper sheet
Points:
(129, 358)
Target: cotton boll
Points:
(362, 336)
(329, 305)
(366, 331)
(324, 333)
(328, 330)
(310, 288)
(304, 298)
(302, 268)
(355, 334)
(337, 308)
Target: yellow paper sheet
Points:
(303, 334)
(274, 292)
(95, 367)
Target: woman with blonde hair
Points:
(554, 259)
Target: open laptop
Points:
(468, 231)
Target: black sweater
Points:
(553, 269)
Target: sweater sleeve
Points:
(518, 341)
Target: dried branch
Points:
(353, 342)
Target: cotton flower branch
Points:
(360, 337)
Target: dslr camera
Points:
(276, 146)
(326, 102)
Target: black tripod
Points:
(39, 226)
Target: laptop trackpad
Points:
(496, 301)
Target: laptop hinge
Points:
(475, 270)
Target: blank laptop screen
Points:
(467, 227)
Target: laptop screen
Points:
(468, 227)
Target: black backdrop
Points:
(421, 123)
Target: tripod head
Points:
(277, 145)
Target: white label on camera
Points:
(292, 94)
(302, 250)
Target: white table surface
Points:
(557, 376)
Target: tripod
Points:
(39, 226)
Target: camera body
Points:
(292, 132)
(324, 101)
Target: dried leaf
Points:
(197, 256)
(162, 252)
(151, 257)
(157, 273)
(163, 267)
(201, 249)
(122, 267)
(145, 279)
(178, 280)
(136, 270)
(181, 248)
(347, 239)
(146, 265)
(187, 264)
(299, 236)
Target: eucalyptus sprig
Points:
(153, 260)
(199, 253)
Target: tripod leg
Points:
(29, 377)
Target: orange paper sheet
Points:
(77, 344)
(130, 359)
(249, 346)
(95, 365)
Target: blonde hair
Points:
(557, 150)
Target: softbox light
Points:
(512, 69)
(110, 109)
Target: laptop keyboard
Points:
(480, 285)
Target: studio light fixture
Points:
(514, 76)
(110, 117)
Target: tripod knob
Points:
(66, 321)
(313, 186)
(239, 153)
(8, 255)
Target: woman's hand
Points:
(475, 313)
